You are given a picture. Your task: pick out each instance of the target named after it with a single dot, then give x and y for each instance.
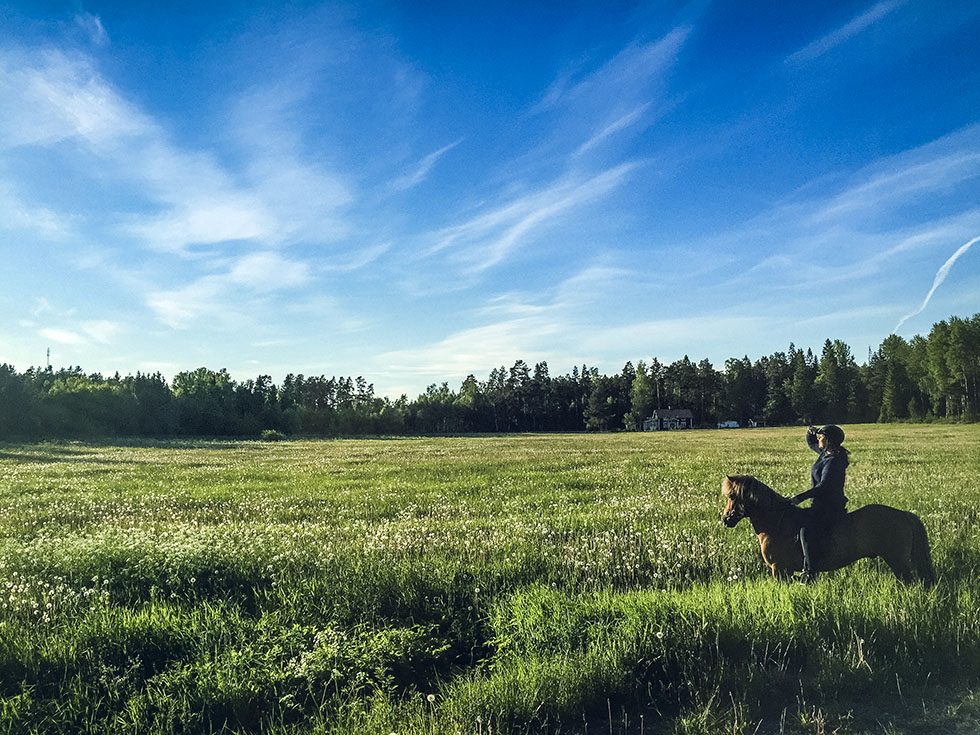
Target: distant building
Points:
(728, 424)
(669, 419)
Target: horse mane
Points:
(754, 492)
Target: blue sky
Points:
(417, 191)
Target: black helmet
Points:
(834, 434)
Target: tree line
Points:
(925, 378)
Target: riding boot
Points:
(808, 576)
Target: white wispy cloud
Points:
(422, 169)
(54, 97)
(222, 296)
(582, 319)
(19, 215)
(828, 249)
(843, 254)
(486, 239)
(619, 124)
(103, 331)
(41, 306)
(361, 259)
(626, 76)
(309, 201)
(858, 227)
(214, 219)
(92, 26)
(61, 98)
(77, 334)
(268, 272)
(846, 32)
(476, 349)
(550, 326)
(695, 335)
(902, 179)
(937, 281)
(579, 112)
(590, 107)
(595, 281)
(328, 309)
(62, 336)
(179, 308)
(276, 197)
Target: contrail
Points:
(937, 282)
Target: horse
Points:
(896, 536)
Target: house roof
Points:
(676, 413)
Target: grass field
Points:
(572, 583)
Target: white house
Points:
(666, 419)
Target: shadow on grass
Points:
(88, 451)
(68, 458)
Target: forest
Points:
(925, 378)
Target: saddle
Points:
(821, 525)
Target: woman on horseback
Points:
(827, 494)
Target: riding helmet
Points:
(834, 434)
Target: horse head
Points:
(737, 491)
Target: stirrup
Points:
(808, 576)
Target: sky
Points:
(413, 192)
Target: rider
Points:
(827, 492)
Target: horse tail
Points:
(921, 556)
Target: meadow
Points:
(531, 583)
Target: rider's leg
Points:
(805, 540)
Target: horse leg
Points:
(778, 556)
(900, 562)
(921, 556)
(780, 574)
(912, 562)
(902, 572)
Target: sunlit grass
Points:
(520, 583)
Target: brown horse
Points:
(895, 535)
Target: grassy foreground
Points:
(573, 584)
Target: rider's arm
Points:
(811, 440)
(831, 475)
(797, 499)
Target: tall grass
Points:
(509, 584)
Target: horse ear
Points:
(729, 478)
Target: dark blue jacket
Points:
(827, 476)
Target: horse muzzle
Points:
(731, 518)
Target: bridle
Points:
(737, 512)
(768, 504)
